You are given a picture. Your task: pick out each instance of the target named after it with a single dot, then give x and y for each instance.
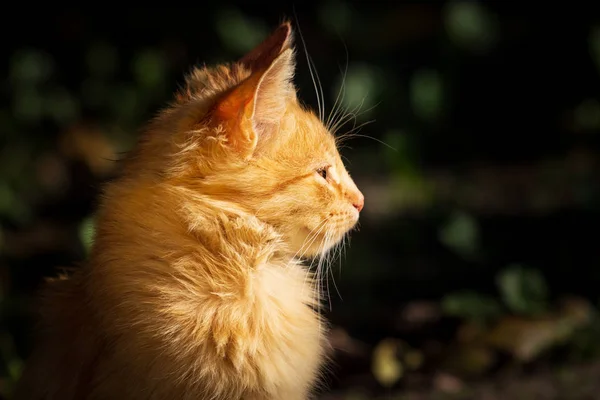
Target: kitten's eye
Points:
(322, 172)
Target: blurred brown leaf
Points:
(52, 173)
(448, 383)
(339, 339)
(43, 236)
(526, 338)
(418, 313)
(91, 146)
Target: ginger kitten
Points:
(194, 288)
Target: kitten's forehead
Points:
(327, 138)
(315, 132)
(322, 143)
(304, 138)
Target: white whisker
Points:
(337, 254)
(340, 96)
(322, 259)
(307, 244)
(372, 138)
(314, 233)
(310, 70)
(346, 116)
(322, 109)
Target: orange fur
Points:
(194, 288)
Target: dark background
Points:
(476, 268)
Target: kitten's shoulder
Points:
(247, 236)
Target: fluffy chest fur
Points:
(179, 330)
(220, 306)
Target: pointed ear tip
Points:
(288, 32)
(286, 25)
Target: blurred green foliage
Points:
(471, 305)
(461, 234)
(523, 290)
(470, 25)
(86, 232)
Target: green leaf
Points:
(587, 114)
(523, 290)
(87, 230)
(426, 94)
(335, 16)
(60, 105)
(149, 69)
(461, 234)
(31, 67)
(125, 103)
(27, 104)
(471, 305)
(239, 32)
(15, 367)
(470, 26)
(359, 90)
(400, 153)
(10, 206)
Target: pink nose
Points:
(359, 202)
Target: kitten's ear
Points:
(252, 111)
(265, 53)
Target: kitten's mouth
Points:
(311, 241)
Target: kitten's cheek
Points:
(353, 220)
(355, 216)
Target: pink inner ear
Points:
(265, 53)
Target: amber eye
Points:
(322, 172)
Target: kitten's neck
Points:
(187, 229)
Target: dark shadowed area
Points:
(476, 269)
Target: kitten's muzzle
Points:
(359, 201)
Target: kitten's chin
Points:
(305, 244)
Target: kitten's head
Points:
(241, 137)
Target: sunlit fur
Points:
(195, 288)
